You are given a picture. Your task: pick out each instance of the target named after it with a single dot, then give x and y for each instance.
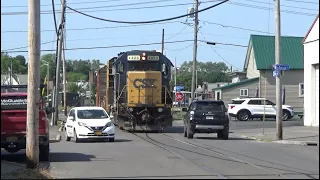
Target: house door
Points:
(218, 95)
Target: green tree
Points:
(206, 72)
(75, 77)
(47, 59)
(74, 88)
(19, 65)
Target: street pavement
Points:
(170, 155)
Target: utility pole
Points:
(33, 99)
(60, 39)
(162, 42)
(175, 79)
(64, 83)
(278, 61)
(48, 78)
(195, 47)
(11, 73)
(64, 70)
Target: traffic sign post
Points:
(179, 97)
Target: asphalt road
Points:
(170, 155)
(252, 124)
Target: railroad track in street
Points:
(169, 148)
(226, 156)
(162, 146)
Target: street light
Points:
(47, 64)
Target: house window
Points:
(301, 89)
(244, 92)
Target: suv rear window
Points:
(237, 101)
(210, 106)
(13, 102)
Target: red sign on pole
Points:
(179, 96)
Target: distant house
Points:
(258, 79)
(237, 76)
(16, 79)
(311, 75)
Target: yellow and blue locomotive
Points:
(138, 90)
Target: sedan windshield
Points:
(92, 114)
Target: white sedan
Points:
(89, 123)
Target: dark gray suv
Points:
(206, 116)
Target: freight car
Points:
(134, 87)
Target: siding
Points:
(252, 71)
(311, 57)
(228, 94)
(290, 80)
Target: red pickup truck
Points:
(14, 119)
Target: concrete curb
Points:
(13, 163)
(301, 143)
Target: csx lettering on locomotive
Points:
(144, 83)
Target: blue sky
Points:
(296, 18)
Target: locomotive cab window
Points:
(120, 67)
(164, 69)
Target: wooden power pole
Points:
(64, 68)
(32, 139)
(57, 83)
(195, 47)
(278, 61)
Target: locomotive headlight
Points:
(143, 58)
(130, 109)
(160, 110)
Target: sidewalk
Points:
(54, 134)
(11, 170)
(8, 167)
(299, 135)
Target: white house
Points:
(311, 75)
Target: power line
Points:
(306, 2)
(266, 8)
(180, 48)
(27, 46)
(178, 32)
(132, 4)
(103, 38)
(54, 17)
(151, 7)
(234, 27)
(217, 52)
(152, 21)
(130, 45)
(84, 2)
(104, 10)
(282, 5)
(96, 28)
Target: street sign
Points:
(179, 88)
(179, 96)
(281, 67)
(276, 73)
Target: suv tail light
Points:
(232, 107)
